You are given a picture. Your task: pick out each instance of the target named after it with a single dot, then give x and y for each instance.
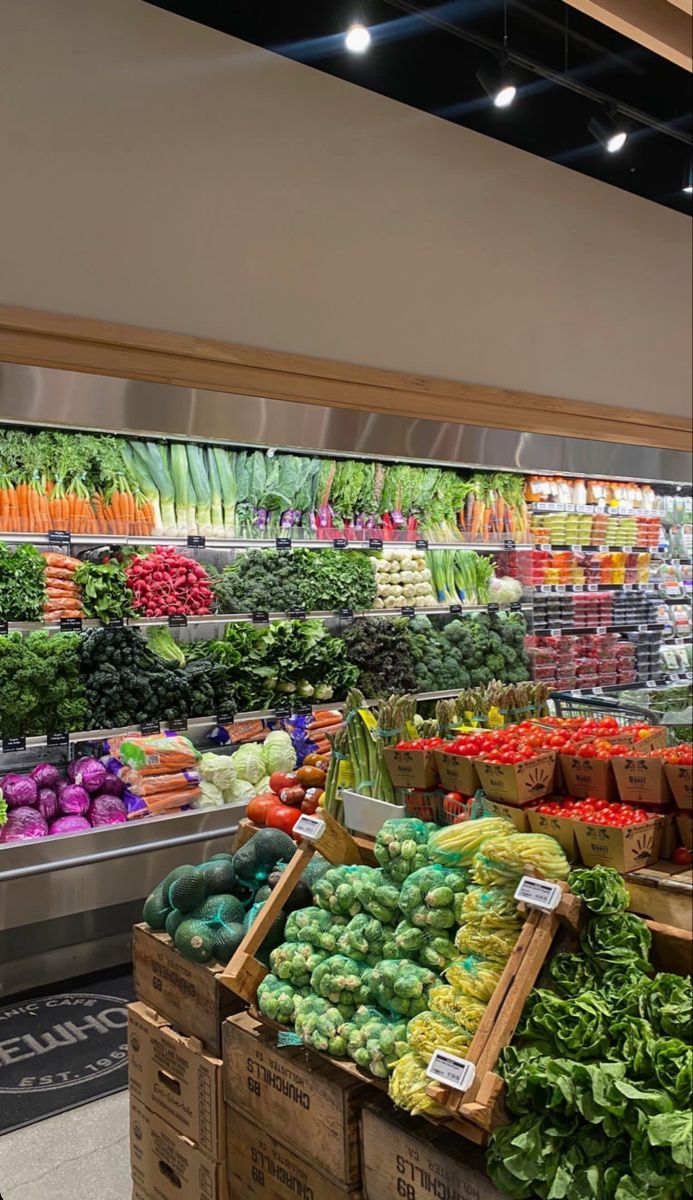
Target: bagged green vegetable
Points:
(363, 939)
(430, 947)
(474, 975)
(505, 859)
(465, 1011)
(317, 926)
(428, 895)
(342, 981)
(377, 894)
(335, 891)
(431, 1031)
(294, 962)
(320, 1023)
(494, 944)
(401, 846)
(375, 1042)
(400, 987)
(278, 999)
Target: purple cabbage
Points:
(71, 824)
(23, 824)
(89, 774)
(73, 800)
(45, 775)
(112, 786)
(47, 803)
(107, 810)
(20, 791)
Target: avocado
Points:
(219, 910)
(219, 876)
(227, 939)
(175, 874)
(156, 908)
(187, 892)
(195, 941)
(173, 920)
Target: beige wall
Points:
(158, 173)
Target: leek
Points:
(225, 464)
(184, 490)
(216, 506)
(138, 472)
(203, 513)
(153, 456)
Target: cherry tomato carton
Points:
(641, 780)
(519, 782)
(411, 768)
(680, 780)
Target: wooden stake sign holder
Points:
(243, 974)
(480, 1108)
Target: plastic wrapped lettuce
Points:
(294, 962)
(377, 894)
(317, 926)
(249, 762)
(428, 895)
(335, 891)
(363, 939)
(431, 1031)
(342, 981)
(219, 769)
(430, 947)
(401, 846)
(375, 1042)
(278, 999)
(278, 752)
(319, 1023)
(400, 986)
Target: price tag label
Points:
(179, 726)
(555, 632)
(584, 508)
(375, 543)
(59, 537)
(576, 549)
(11, 745)
(455, 608)
(260, 618)
(407, 610)
(508, 543)
(628, 587)
(309, 827)
(559, 588)
(627, 549)
(538, 893)
(196, 541)
(651, 683)
(149, 727)
(643, 628)
(282, 543)
(516, 606)
(3, 628)
(225, 718)
(545, 587)
(58, 741)
(297, 614)
(340, 543)
(592, 587)
(601, 629)
(598, 691)
(421, 543)
(115, 623)
(603, 549)
(346, 614)
(177, 620)
(70, 624)
(544, 546)
(282, 706)
(492, 608)
(448, 1069)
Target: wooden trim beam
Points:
(663, 26)
(105, 348)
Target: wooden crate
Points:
(262, 1166)
(662, 892)
(189, 995)
(244, 973)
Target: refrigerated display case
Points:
(592, 565)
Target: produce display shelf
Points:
(673, 679)
(604, 510)
(603, 549)
(269, 543)
(634, 626)
(239, 618)
(579, 589)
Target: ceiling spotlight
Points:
(497, 82)
(609, 132)
(357, 39)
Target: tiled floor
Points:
(79, 1155)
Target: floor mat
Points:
(63, 1048)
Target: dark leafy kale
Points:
(40, 686)
(382, 652)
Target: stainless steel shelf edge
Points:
(46, 397)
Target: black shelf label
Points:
(147, 728)
(455, 609)
(70, 624)
(407, 610)
(297, 614)
(225, 718)
(11, 745)
(282, 543)
(492, 608)
(346, 614)
(58, 537)
(508, 543)
(340, 543)
(177, 620)
(3, 628)
(282, 706)
(421, 543)
(260, 618)
(375, 543)
(58, 741)
(302, 710)
(179, 726)
(196, 541)
(115, 623)
(516, 606)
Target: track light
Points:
(609, 132)
(357, 38)
(497, 82)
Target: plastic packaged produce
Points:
(375, 1042)
(431, 948)
(496, 944)
(363, 939)
(431, 1031)
(319, 1023)
(458, 1006)
(401, 987)
(428, 896)
(335, 891)
(456, 845)
(278, 999)
(342, 981)
(401, 846)
(504, 859)
(474, 976)
(408, 1084)
(317, 926)
(294, 962)
(377, 894)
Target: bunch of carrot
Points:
(494, 508)
(324, 722)
(63, 596)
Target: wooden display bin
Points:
(264, 1167)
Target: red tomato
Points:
(682, 857)
(260, 806)
(283, 779)
(281, 816)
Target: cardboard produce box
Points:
(188, 994)
(294, 1089)
(684, 824)
(680, 780)
(656, 740)
(642, 781)
(166, 1165)
(583, 777)
(457, 772)
(411, 768)
(174, 1078)
(518, 784)
(623, 849)
(408, 1157)
(260, 1167)
(560, 828)
(512, 812)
